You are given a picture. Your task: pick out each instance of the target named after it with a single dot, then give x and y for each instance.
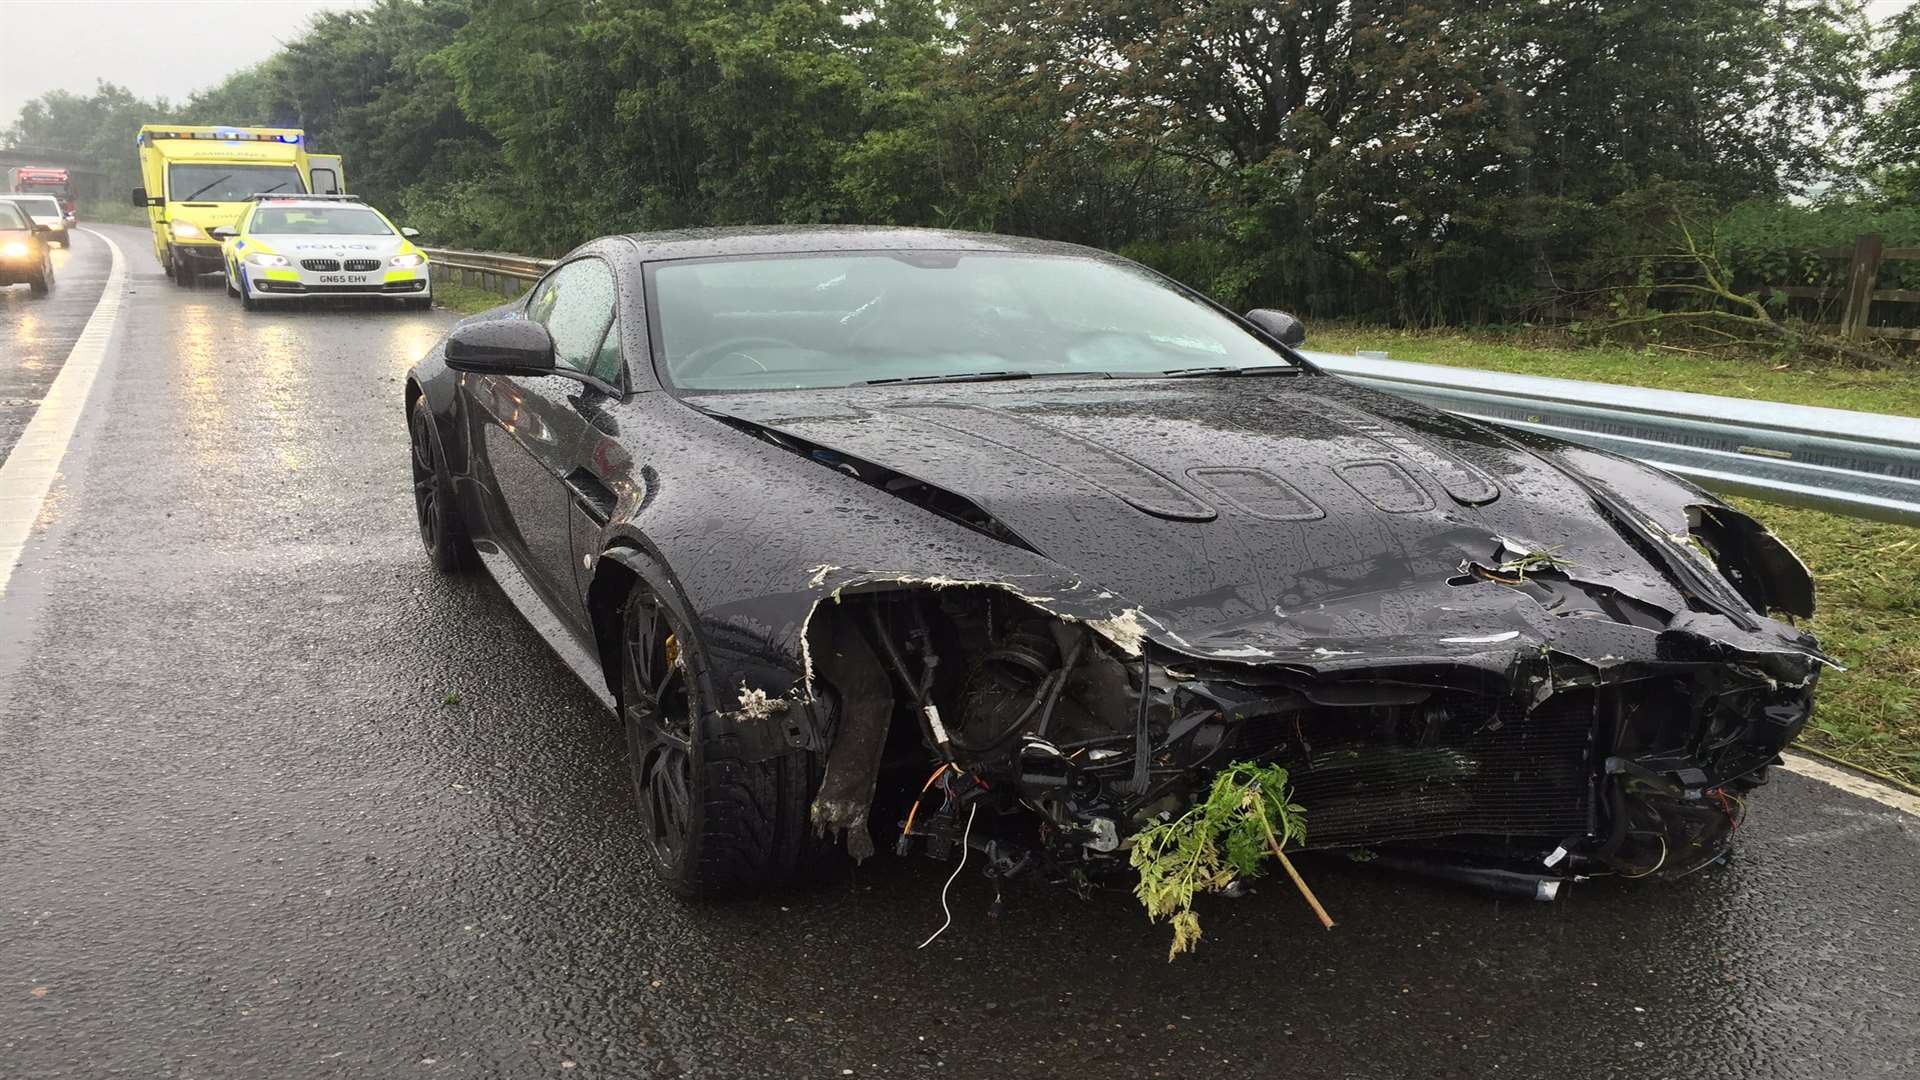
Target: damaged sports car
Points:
(952, 543)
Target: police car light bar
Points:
(289, 196)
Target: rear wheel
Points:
(442, 531)
(714, 825)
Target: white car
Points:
(45, 210)
(296, 246)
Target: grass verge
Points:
(111, 214)
(1868, 574)
(1868, 618)
(465, 298)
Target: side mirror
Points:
(39, 228)
(140, 197)
(409, 233)
(1279, 326)
(501, 347)
(224, 232)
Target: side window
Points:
(606, 363)
(325, 182)
(575, 304)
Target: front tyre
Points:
(43, 284)
(442, 530)
(714, 825)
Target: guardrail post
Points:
(1862, 271)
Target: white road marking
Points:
(30, 468)
(1851, 783)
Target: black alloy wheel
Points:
(715, 824)
(442, 531)
(659, 707)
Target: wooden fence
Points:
(1859, 295)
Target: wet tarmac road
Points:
(277, 801)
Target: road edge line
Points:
(1851, 783)
(28, 473)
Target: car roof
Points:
(798, 239)
(20, 196)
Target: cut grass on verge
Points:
(1868, 574)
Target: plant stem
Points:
(1299, 882)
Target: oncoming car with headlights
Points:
(23, 250)
(46, 210)
(316, 245)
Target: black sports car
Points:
(820, 510)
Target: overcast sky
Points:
(154, 48)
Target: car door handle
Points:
(594, 495)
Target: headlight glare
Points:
(407, 261)
(14, 249)
(261, 258)
(187, 230)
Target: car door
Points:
(537, 425)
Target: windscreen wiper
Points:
(1205, 372)
(969, 376)
(207, 188)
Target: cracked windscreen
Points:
(829, 320)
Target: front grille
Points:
(1471, 767)
(361, 266)
(322, 266)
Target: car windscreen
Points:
(230, 183)
(318, 221)
(839, 319)
(11, 217)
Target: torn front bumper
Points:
(1559, 747)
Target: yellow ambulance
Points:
(198, 179)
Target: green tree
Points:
(1893, 130)
(100, 126)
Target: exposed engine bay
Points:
(1049, 746)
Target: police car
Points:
(294, 246)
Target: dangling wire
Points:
(907, 829)
(1656, 866)
(964, 835)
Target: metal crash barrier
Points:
(1853, 463)
(493, 271)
